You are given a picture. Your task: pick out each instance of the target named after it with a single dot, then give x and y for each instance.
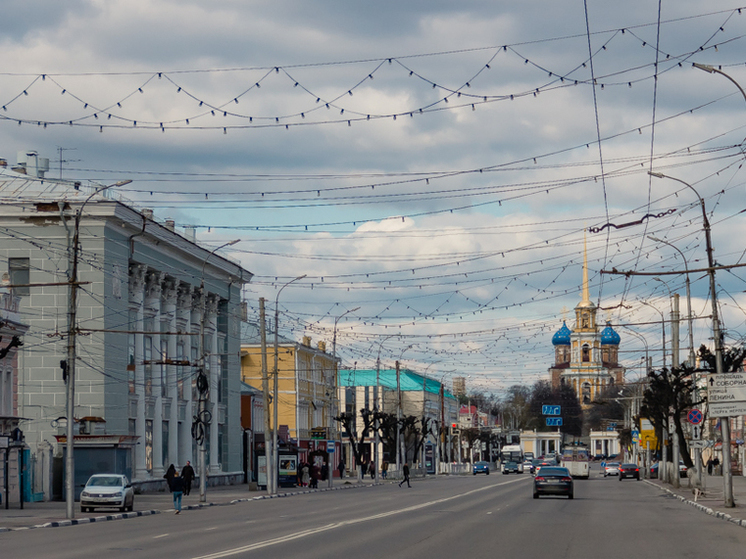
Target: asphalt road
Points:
(451, 517)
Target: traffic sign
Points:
(330, 446)
(694, 416)
(698, 444)
(554, 421)
(726, 394)
(696, 432)
(635, 436)
(550, 410)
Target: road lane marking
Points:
(335, 525)
(161, 536)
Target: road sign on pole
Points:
(694, 416)
(554, 422)
(726, 394)
(550, 410)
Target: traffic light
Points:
(454, 429)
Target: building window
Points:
(586, 393)
(18, 268)
(586, 353)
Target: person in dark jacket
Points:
(170, 473)
(405, 471)
(177, 488)
(187, 472)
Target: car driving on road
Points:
(481, 468)
(611, 469)
(629, 470)
(553, 480)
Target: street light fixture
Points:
(72, 330)
(725, 422)
(273, 471)
(203, 383)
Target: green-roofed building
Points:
(420, 395)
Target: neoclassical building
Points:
(141, 309)
(586, 357)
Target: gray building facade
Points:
(139, 315)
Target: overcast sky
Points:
(433, 165)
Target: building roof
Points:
(562, 336)
(409, 381)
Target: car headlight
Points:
(84, 494)
(118, 495)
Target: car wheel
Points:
(83, 509)
(571, 496)
(536, 495)
(475, 473)
(488, 472)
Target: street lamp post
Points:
(377, 396)
(725, 421)
(72, 330)
(334, 389)
(275, 391)
(663, 472)
(203, 381)
(688, 298)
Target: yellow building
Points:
(306, 387)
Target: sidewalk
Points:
(53, 513)
(711, 501)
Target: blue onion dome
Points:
(562, 336)
(609, 336)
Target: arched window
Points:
(586, 353)
(586, 392)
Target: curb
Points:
(702, 508)
(136, 514)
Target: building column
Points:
(184, 373)
(136, 300)
(172, 393)
(211, 330)
(153, 303)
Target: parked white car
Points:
(107, 491)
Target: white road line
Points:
(326, 528)
(161, 536)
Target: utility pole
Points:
(676, 481)
(73, 247)
(398, 421)
(265, 390)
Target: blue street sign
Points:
(330, 446)
(550, 410)
(554, 421)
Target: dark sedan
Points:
(629, 470)
(553, 481)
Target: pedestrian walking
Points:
(405, 471)
(169, 476)
(384, 469)
(315, 472)
(305, 475)
(709, 466)
(177, 488)
(341, 468)
(372, 470)
(187, 472)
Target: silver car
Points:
(107, 491)
(611, 469)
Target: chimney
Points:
(190, 232)
(307, 341)
(147, 213)
(170, 223)
(322, 346)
